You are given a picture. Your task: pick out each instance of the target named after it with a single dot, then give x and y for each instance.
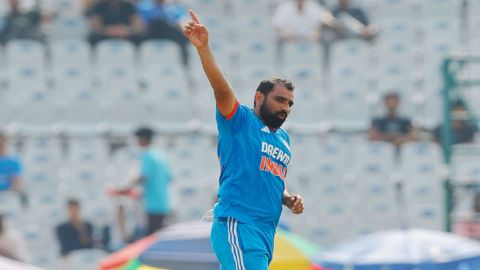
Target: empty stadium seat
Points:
(350, 109)
(157, 52)
(25, 52)
(70, 52)
(110, 52)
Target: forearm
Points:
(223, 92)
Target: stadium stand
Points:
(53, 94)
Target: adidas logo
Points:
(265, 129)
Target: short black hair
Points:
(73, 202)
(266, 86)
(145, 133)
(391, 94)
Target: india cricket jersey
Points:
(253, 162)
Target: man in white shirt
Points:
(301, 20)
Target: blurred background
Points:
(384, 128)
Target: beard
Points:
(271, 119)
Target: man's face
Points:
(391, 103)
(74, 211)
(143, 142)
(276, 106)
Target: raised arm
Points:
(198, 36)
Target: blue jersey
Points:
(253, 162)
(10, 167)
(156, 176)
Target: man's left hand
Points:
(294, 203)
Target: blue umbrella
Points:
(409, 249)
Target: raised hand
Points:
(196, 32)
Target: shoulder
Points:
(284, 135)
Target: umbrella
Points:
(409, 249)
(14, 265)
(187, 246)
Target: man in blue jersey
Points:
(155, 177)
(254, 153)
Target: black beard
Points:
(272, 120)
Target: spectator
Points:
(76, 233)
(115, 19)
(300, 20)
(165, 20)
(12, 244)
(353, 22)
(391, 127)
(155, 177)
(463, 130)
(10, 168)
(19, 24)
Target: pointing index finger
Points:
(194, 16)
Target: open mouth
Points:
(282, 115)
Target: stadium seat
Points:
(10, 204)
(375, 161)
(426, 216)
(85, 259)
(70, 52)
(111, 52)
(25, 52)
(24, 79)
(313, 113)
(40, 109)
(302, 53)
(126, 109)
(397, 28)
(158, 52)
(41, 152)
(67, 27)
(350, 109)
(256, 51)
(439, 8)
(68, 77)
(83, 109)
(117, 75)
(350, 51)
(377, 213)
(170, 108)
(397, 8)
(87, 151)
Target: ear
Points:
(259, 97)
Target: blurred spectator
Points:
(463, 130)
(165, 20)
(353, 22)
(115, 19)
(155, 177)
(12, 244)
(300, 20)
(391, 127)
(76, 233)
(10, 168)
(20, 24)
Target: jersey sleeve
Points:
(234, 121)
